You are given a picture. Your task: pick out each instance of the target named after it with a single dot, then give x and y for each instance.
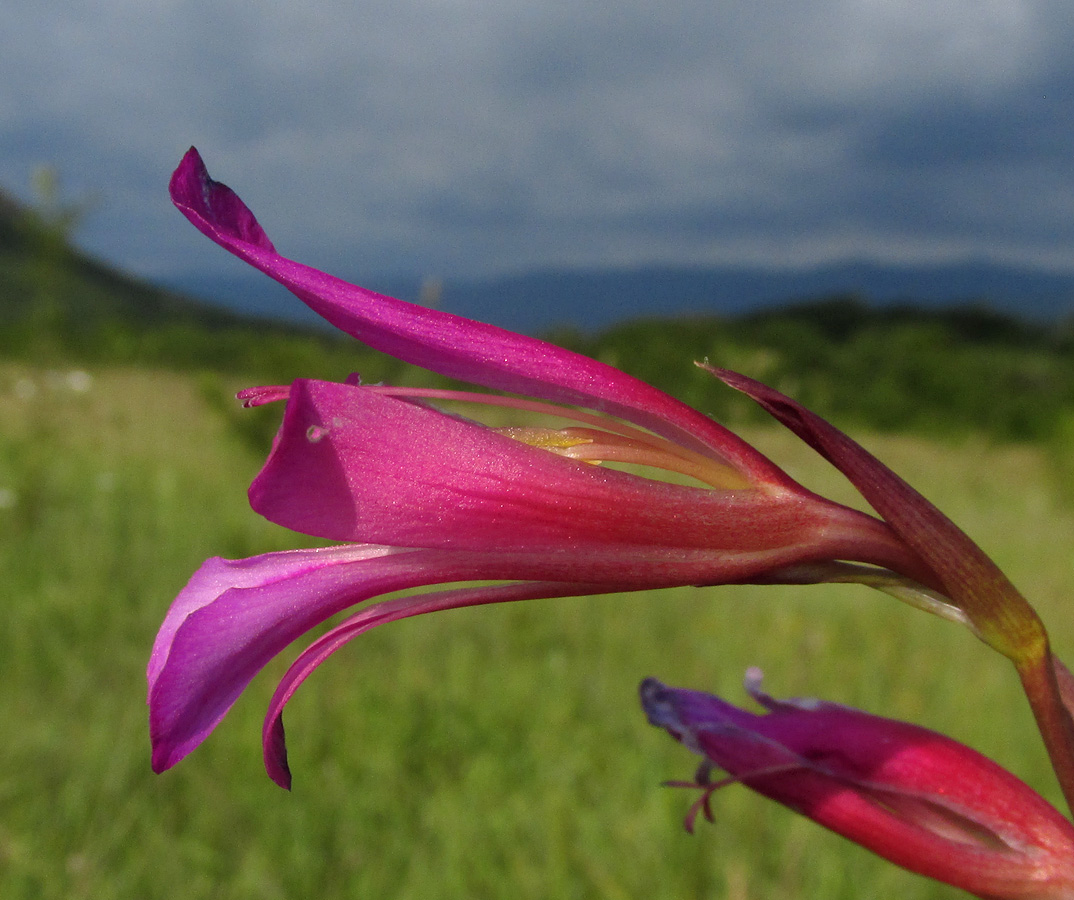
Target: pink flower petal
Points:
(234, 616)
(460, 348)
(353, 464)
(216, 576)
(274, 744)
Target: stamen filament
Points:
(608, 441)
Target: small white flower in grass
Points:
(25, 389)
(79, 381)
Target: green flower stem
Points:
(1041, 675)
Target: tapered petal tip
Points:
(167, 753)
(159, 760)
(212, 207)
(790, 414)
(275, 750)
(162, 759)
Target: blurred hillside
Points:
(895, 368)
(58, 304)
(938, 371)
(37, 260)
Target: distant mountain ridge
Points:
(596, 300)
(86, 291)
(592, 300)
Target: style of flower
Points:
(915, 797)
(418, 497)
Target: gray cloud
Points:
(466, 137)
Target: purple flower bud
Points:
(913, 796)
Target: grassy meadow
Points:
(490, 753)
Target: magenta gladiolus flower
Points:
(417, 497)
(915, 797)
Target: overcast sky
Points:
(462, 138)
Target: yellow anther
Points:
(545, 438)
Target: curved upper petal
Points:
(460, 348)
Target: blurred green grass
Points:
(491, 753)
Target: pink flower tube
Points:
(915, 797)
